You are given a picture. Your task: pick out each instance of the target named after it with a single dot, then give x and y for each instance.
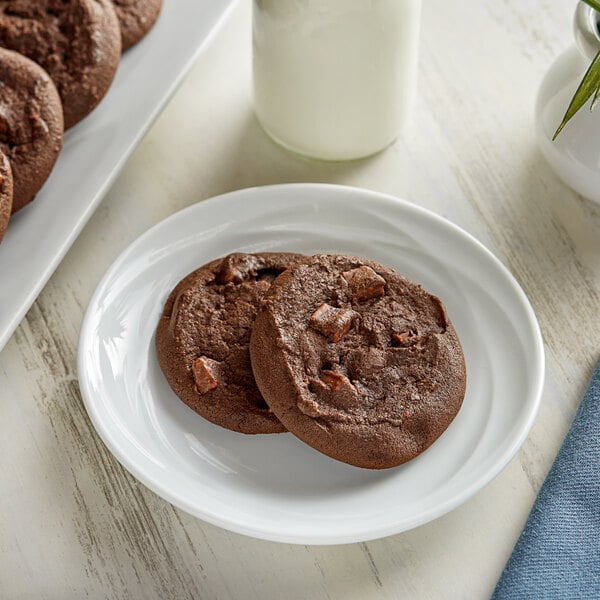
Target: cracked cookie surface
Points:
(357, 361)
(31, 124)
(203, 336)
(136, 18)
(6, 193)
(78, 42)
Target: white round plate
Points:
(274, 486)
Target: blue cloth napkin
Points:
(558, 553)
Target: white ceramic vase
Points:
(575, 154)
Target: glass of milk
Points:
(335, 79)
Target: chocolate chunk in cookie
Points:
(78, 42)
(136, 18)
(357, 361)
(364, 284)
(6, 193)
(331, 321)
(203, 336)
(31, 124)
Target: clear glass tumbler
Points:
(335, 79)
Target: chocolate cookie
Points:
(31, 124)
(136, 18)
(203, 335)
(78, 42)
(6, 193)
(357, 361)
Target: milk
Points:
(335, 79)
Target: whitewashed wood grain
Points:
(74, 524)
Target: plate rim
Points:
(213, 517)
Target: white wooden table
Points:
(75, 524)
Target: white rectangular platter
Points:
(96, 149)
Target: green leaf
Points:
(590, 84)
(595, 4)
(595, 100)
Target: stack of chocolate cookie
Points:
(348, 355)
(57, 61)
